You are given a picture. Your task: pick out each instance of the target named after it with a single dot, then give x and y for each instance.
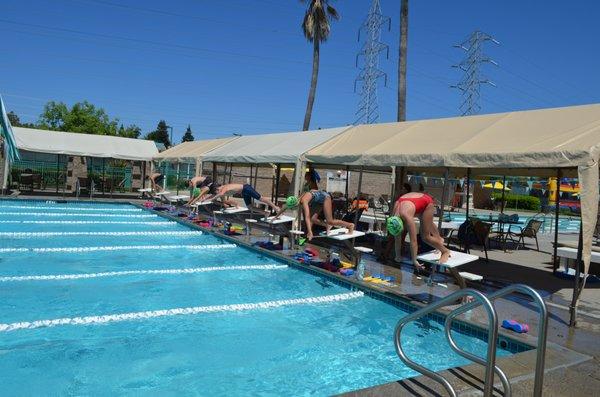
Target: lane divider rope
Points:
(61, 234)
(78, 214)
(119, 248)
(34, 207)
(189, 270)
(161, 223)
(110, 318)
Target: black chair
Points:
(530, 230)
(473, 232)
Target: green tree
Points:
(188, 136)
(161, 134)
(133, 131)
(316, 29)
(54, 116)
(82, 117)
(15, 121)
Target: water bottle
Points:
(361, 270)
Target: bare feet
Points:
(445, 256)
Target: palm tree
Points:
(402, 60)
(316, 30)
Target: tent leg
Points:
(177, 180)
(360, 178)
(556, 218)
(277, 178)
(57, 171)
(576, 287)
(502, 203)
(143, 175)
(230, 172)
(392, 187)
(255, 177)
(468, 192)
(347, 181)
(444, 191)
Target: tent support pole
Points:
(444, 191)
(177, 179)
(502, 203)
(230, 172)
(360, 178)
(577, 287)
(393, 186)
(556, 216)
(103, 175)
(468, 193)
(214, 171)
(255, 177)
(57, 168)
(347, 180)
(400, 175)
(277, 178)
(250, 180)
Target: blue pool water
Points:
(79, 317)
(566, 224)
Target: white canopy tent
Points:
(278, 148)
(533, 141)
(74, 144)
(192, 152)
(283, 148)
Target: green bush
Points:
(518, 201)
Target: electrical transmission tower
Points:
(470, 84)
(368, 107)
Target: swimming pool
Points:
(110, 299)
(566, 224)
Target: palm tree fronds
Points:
(316, 19)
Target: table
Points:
(456, 259)
(567, 255)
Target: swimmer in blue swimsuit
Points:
(248, 194)
(321, 201)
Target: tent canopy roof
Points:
(285, 147)
(546, 138)
(188, 151)
(75, 144)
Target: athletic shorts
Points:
(248, 193)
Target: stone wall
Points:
(136, 175)
(76, 168)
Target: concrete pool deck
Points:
(573, 354)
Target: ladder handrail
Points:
(543, 325)
(492, 338)
(469, 356)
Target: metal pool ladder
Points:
(490, 361)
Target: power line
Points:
(470, 84)
(368, 107)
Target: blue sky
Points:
(243, 66)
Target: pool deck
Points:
(573, 354)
